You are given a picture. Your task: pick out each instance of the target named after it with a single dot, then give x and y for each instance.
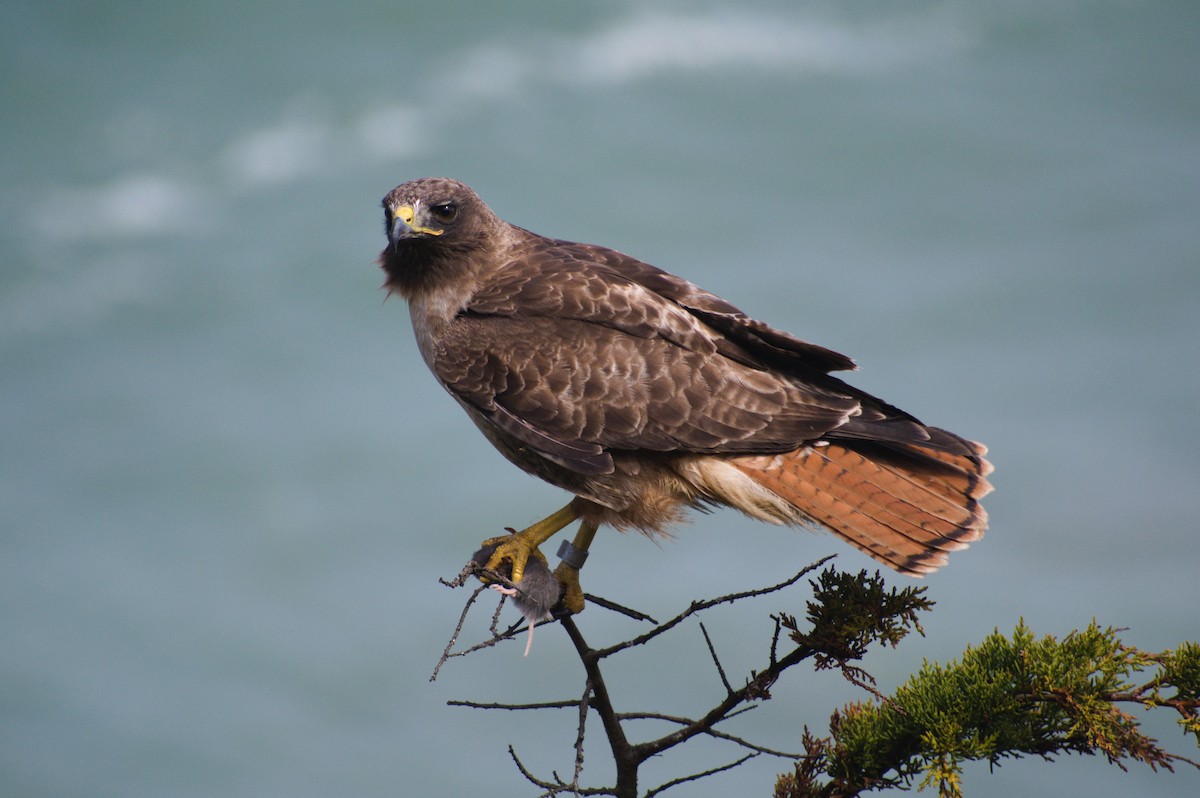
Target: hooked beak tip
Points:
(399, 230)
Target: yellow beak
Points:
(406, 215)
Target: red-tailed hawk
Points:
(644, 395)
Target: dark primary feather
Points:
(775, 346)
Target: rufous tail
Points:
(905, 505)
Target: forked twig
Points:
(761, 749)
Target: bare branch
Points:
(623, 753)
(775, 637)
(490, 578)
(493, 627)
(758, 686)
(699, 606)
(584, 704)
(543, 705)
(556, 787)
(462, 619)
(628, 757)
(469, 570)
(695, 776)
(713, 652)
(600, 601)
(710, 732)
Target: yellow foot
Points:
(513, 554)
(517, 548)
(572, 593)
(509, 555)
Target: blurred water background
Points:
(228, 485)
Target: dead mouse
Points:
(535, 595)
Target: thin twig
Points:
(552, 788)
(462, 619)
(568, 704)
(469, 570)
(496, 619)
(474, 569)
(584, 703)
(558, 786)
(755, 688)
(607, 604)
(710, 732)
(713, 652)
(695, 776)
(775, 637)
(699, 606)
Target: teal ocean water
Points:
(228, 485)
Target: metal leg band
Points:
(572, 555)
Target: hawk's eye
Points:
(444, 212)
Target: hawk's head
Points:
(434, 225)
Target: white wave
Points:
(306, 144)
(393, 131)
(643, 44)
(91, 290)
(309, 140)
(640, 45)
(280, 153)
(132, 205)
(490, 71)
(646, 44)
(86, 244)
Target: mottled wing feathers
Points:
(585, 458)
(558, 383)
(554, 285)
(588, 347)
(768, 345)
